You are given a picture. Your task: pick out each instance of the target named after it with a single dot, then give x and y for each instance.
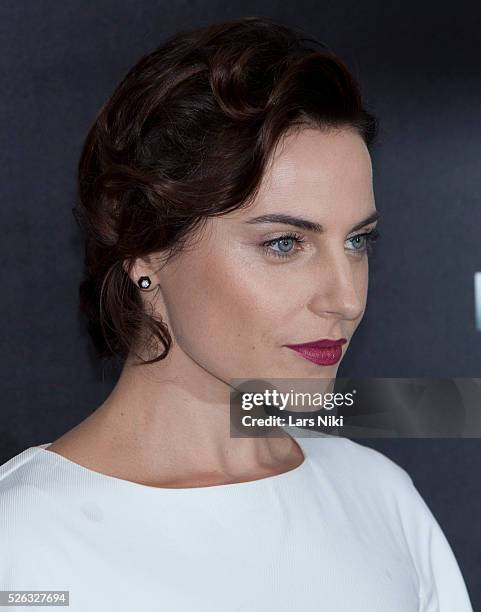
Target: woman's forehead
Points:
(317, 175)
(312, 157)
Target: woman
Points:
(225, 192)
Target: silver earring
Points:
(144, 282)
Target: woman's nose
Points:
(339, 287)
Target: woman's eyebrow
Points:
(306, 224)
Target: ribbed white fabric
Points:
(346, 531)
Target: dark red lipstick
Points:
(322, 352)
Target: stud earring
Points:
(144, 282)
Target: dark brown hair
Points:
(187, 135)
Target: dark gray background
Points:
(419, 65)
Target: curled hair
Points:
(187, 135)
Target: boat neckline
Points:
(247, 484)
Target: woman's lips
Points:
(321, 352)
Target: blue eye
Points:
(285, 244)
(367, 241)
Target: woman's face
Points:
(232, 302)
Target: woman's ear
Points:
(135, 269)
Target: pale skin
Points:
(230, 307)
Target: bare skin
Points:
(230, 307)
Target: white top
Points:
(346, 531)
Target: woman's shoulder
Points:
(347, 452)
(351, 462)
(15, 473)
(24, 487)
(367, 482)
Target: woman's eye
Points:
(364, 242)
(283, 247)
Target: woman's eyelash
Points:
(370, 237)
(289, 236)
